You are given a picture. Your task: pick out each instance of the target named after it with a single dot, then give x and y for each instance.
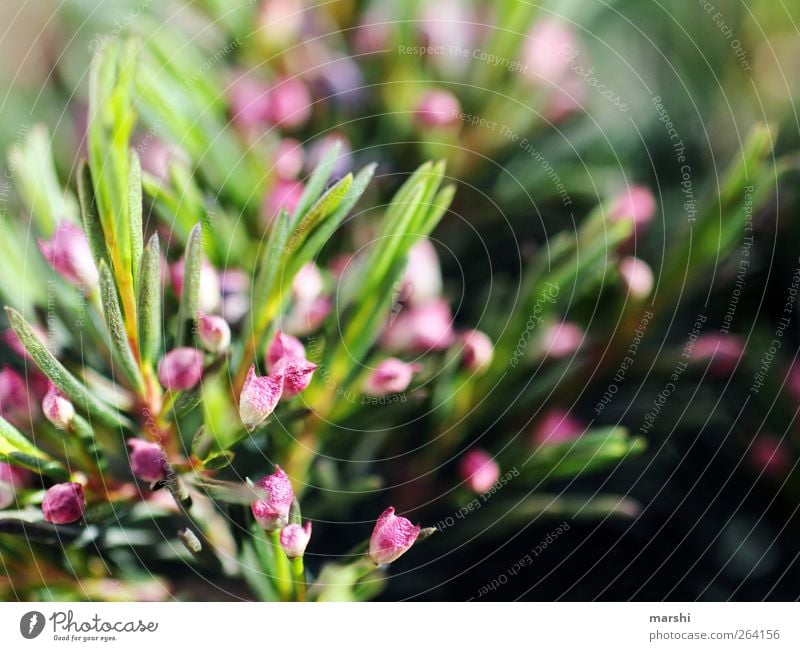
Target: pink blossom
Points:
(308, 283)
(57, 408)
(181, 369)
(635, 202)
(259, 397)
(14, 403)
(289, 159)
(214, 332)
(422, 279)
(392, 537)
(477, 350)
(557, 426)
(770, 455)
(307, 316)
(561, 340)
(284, 195)
(296, 372)
(294, 539)
(548, 50)
(284, 345)
(723, 351)
(69, 254)
(637, 276)
(289, 103)
(438, 108)
(479, 470)
(249, 101)
(421, 328)
(272, 512)
(63, 503)
(148, 460)
(390, 376)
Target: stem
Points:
(299, 578)
(283, 578)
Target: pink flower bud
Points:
(284, 195)
(69, 254)
(392, 537)
(259, 397)
(249, 102)
(561, 340)
(284, 345)
(289, 159)
(214, 332)
(637, 203)
(148, 460)
(14, 401)
(296, 372)
(210, 290)
(557, 426)
(307, 316)
(181, 369)
(770, 455)
(438, 108)
(479, 470)
(477, 350)
(11, 478)
(723, 351)
(422, 279)
(289, 103)
(308, 283)
(272, 512)
(294, 539)
(421, 328)
(548, 51)
(57, 408)
(63, 503)
(390, 376)
(637, 276)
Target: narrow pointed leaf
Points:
(135, 203)
(123, 355)
(150, 302)
(69, 385)
(190, 293)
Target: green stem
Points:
(299, 578)
(283, 578)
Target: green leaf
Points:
(16, 449)
(316, 184)
(111, 122)
(69, 385)
(91, 222)
(190, 293)
(123, 355)
(322, 234)
(37, 182)
(135, 203)
(227, 491)
(596, 450)
(150, 302)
